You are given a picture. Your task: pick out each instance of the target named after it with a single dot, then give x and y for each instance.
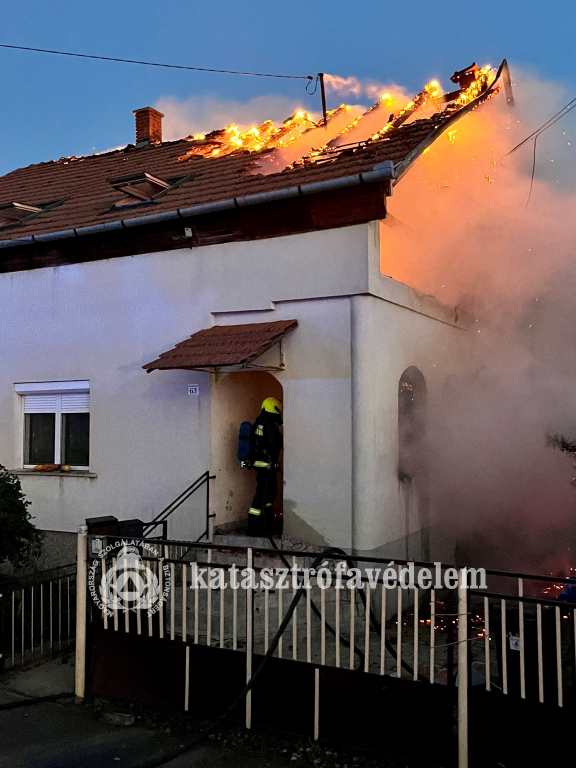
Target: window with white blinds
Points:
(56, 423)
(74, 402)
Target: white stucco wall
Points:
(393, 328)
(317, 425)
(101, 321)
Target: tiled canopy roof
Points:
(223, 346)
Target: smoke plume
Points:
(461, 230)
(363, 90)
(203, 114)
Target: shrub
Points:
(20, 541)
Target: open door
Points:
(236, 397)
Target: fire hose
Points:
(284, 625)
(373, 620)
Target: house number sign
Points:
(193, 389)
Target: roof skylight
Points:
(14, 213)
(139, 188)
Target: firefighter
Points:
(266, 444)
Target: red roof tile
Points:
(88, 197)
(223, 345)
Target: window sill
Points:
(58, 473)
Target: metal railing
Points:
(512, 638)
(161, 518)
(37, 616)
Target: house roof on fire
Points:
(81, 194)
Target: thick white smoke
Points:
(469, 239)
(203, 114)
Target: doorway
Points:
(237, 397)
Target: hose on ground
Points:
(373, 620)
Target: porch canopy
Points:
(228, 347)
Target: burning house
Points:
(153, 296)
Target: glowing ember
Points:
(429, 92)
(264, 136)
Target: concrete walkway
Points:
(63, 735)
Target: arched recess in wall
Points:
(413, 461)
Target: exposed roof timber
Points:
(411, 157)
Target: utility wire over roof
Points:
(152, 63)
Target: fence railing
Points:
(37, 616)
(161, 519)
(417, 622)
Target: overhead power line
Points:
(536, 134)
(544, 127)
(155, 63)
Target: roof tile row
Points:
(82, 183)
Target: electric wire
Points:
(544, 127)
(566, 109)
(533, 171)
(154, 63)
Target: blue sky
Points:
(53, 106)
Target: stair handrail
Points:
(162, 517)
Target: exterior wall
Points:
(317, 425)
(392, 329)
(358, 331)
(103, 320)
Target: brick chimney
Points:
(148, 126)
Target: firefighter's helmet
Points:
(272, 405)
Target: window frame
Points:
(57, 388)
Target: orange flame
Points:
(267, 136)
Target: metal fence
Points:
(37, 616)
(512, 638)
(405, 632)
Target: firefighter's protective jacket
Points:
(266, 440)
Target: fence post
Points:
(209, 526)
(81, 592)
(249, 635)
(462, 669)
